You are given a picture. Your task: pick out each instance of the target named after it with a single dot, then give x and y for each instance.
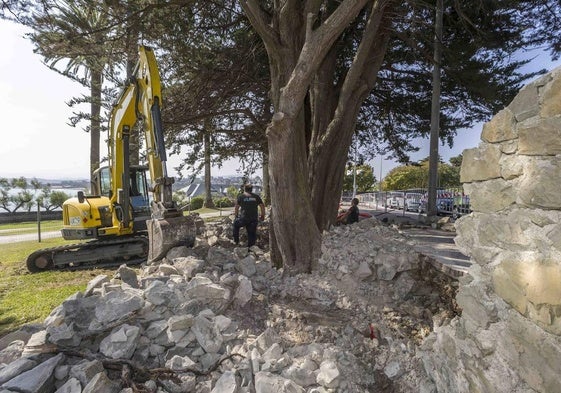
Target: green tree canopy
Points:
(365, 178)
(416, 175)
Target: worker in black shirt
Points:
(248, 203)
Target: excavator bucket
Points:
(166, 233)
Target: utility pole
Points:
(435, 112)
(380, 179)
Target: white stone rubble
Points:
(216, 319)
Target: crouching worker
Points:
(247, 206)
(351, 215)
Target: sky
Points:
(38, 142)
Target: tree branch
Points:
(258, 20)
(315, 48)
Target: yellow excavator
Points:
(127, 219)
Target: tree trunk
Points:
(208, 192)
(295, 232)
(335, 109)
(95, 122)
(135, 141)
(296, 50)
(266, 194)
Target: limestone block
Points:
(540, 136)
(16, 368)
(38, 379)
(550, 96)
(530, 284)
(539, 187)
(511, 166)
(543, 282)
(329, 374)
(466, 235)
(208, 335)
(507, 288)
(476, 304)
(554, 235)
(481, 163)
(491, 196)
(102, 383)
(525, 104)
(537, 358)
(540, 313)
(500, 231)
(227, 383)
(121, 343)
(500, 127)
(266, 382)
(509, 147)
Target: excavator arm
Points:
(141, 101)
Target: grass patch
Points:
(30, 298)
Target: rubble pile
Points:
(215, 318)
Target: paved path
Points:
(437, 245)
(25, 237)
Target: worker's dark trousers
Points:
(250, 227)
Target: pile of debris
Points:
(215, 318)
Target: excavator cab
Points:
(138, 195)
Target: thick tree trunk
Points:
(295, 232)
(335, 110)
(327, 152)
(296, 49)
(208, 192)
(95, 122)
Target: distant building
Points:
(219, 186)
(198, 189)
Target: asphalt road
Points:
(24, 237)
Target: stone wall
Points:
(508, 338)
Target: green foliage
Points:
(233, 192)
(417, 176)
(223, 202)
(57, 198)
(22, 199)
(50, 199)
(405, 177)
(197, 202)
(25, 197)
(180, 198)
(365, 179)
(457, 161)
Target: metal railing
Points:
(451, 201)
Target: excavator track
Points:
(96, 253)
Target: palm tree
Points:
(74, 33)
